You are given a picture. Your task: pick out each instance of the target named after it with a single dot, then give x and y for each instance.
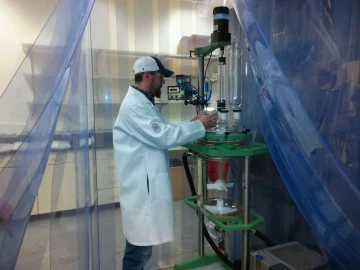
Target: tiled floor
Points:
(68, 247)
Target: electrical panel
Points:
(183, 89)
(175, 93)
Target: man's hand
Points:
(208, 120)
(195, 118)
(6, 211)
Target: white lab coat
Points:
(141, 141)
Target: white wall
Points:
(152, 26)
(21, 22)
(146, 26)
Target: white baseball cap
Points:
(150, 63)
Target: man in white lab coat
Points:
(141, 142)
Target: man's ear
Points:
(146, 75)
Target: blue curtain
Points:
(302, 79)
(58, 79)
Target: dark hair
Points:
(139, 77)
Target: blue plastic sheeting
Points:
(82, 241)
(29, 111)
(309, 39)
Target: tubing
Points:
(263, 237)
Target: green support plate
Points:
(227, 138)
(208, 49)
(197, 262)
(229, 223)
(228, 149)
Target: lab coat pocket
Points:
(160, 187)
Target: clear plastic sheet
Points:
(76, 236)
(297, 46)
(30, 108)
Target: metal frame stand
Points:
(246, 222)
(243, 223)
(246, 216)
(200, 196)
(245, 208)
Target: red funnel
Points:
(213, 169)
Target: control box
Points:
(175, 93)
(182, 90)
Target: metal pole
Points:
(199, 201)
(246, 216)
(201, 79)
(220, 167)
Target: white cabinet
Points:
(61, 189)
(7, 168)
(106, 174)
(58, 192)
(105, 153)
(108, 196)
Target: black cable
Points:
(263, 237)
(188, 173)
(207, 64)
(194, 87)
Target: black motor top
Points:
(221, 25)
(218, 10)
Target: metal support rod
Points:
(220, 167)
(246, 216)
(201, 79)
(200, 196)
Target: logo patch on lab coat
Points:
(155, 127)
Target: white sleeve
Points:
(176, 123)
(143, 123)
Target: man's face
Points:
(157, 81)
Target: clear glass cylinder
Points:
(236, 120)
(221, 80)
(216, 201)
(210, 110)
(235, 89)
(222, 123)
